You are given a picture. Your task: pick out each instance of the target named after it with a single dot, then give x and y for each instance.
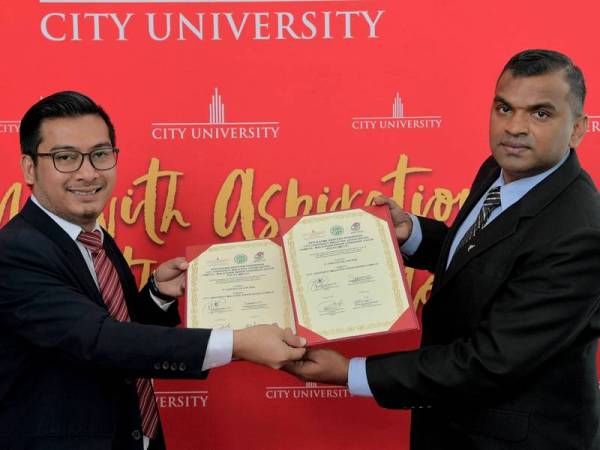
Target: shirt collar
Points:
(71, 229)
(513, 192)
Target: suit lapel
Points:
(76, 264)
(506, 223)
(477, 190)
(502, 227)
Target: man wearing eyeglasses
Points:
(78, 343)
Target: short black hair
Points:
(530, 63)
(60, 104)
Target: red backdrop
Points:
(231, 114)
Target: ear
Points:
(579, 129)
(28, 169)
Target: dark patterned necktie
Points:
(112, 294)
(491, 202)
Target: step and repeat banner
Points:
(231, 114)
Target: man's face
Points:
(532, 123)
(80, 196)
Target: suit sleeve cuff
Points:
(219, 349)
(160, 303)
(413, 242)
(358, 384)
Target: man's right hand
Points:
(401, 219)
(322, 365)
(268, 345)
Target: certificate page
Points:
(344, 274)
(237, 285)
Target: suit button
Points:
(136, 435)
(128, 381)
(174, 366)
(157, 365)
(182, 367)
(165, 365)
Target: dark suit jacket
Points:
(508, 352)
(66, 368)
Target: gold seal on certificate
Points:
(343, 270)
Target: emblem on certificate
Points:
(330, 276)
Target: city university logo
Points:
(593, 124)
(398, 120)
(9, 126)
(181, 399)
(310, 391)
(217, 127)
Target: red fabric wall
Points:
(229, 115)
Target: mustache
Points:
(511, 141)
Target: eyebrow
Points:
(71, 147)
(534, 107)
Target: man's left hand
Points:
(170, 277)
(322, 365)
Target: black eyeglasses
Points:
(67, 161)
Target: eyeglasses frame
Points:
(115, 150)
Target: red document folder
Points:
(405, 321)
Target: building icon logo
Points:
(217, 127)
(216, 109)
(398, 120)
(397, 107)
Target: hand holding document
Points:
(331, 276)
(401, 219)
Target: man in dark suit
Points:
(510, 332)
(78, 343)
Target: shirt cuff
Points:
(219, 349)
(358, 385)
(161, 303)
(411, 245)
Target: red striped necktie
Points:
(112, 293)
